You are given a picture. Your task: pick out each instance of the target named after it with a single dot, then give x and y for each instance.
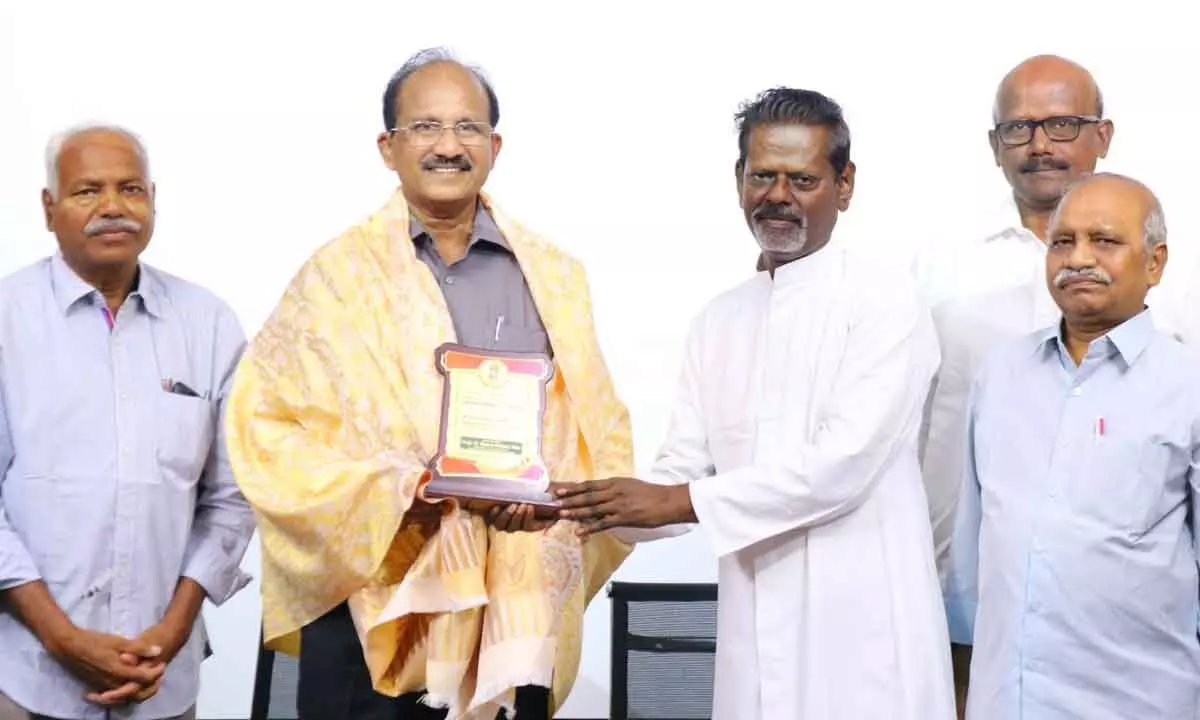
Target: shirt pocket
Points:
(1125, 483)
(184, 431)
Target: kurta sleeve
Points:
(321, 454)
(224, 523)
(873, 412)
(16, 565)
(961, 585)
(683, 457)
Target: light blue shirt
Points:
(1074, 561)
(111, 487)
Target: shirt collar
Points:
(1130, 339)
(1005, 213)
(69, 288)
(483, 229)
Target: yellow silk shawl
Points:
(333, 416)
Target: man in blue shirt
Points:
(1074, 562)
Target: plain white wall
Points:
(260, 119)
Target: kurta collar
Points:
(808, 269)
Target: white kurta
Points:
(796, 425)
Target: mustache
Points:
(107, 225)
(1043, 162)
(439, 162)
(778, 212)
(1095, 274)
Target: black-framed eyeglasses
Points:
(423, 133)
(1059, 128)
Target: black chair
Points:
(664, 643)
(275, 681)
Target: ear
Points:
(384, 143)
(845, 184)
(1104, 131)
(994, 142)
(497, 143)
(1156, 264)
(48, 209)
(738, 167)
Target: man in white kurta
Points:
(793, 445)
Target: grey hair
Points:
(1154, 227)
(1154, 230)
(59, 140)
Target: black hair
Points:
(783, 105)
(420, 60)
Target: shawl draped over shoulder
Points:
(332, 419)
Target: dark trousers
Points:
(335, 683)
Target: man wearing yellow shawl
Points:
(399, 607)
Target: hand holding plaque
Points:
(490, 442)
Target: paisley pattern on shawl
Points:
(332, 418)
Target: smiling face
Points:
(442, 147)
(789, 191)
(1098, 267)
(103, 211)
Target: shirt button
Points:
(450, 280)
(1076, 392)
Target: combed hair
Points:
(58, 140)
(425, 57)
(784, 105)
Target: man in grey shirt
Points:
(1074, 565)
(118, 511)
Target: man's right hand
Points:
(96, 659)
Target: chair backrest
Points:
(664, 643)
(275, 685)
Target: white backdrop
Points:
(261, 117)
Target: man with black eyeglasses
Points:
(1048, 131)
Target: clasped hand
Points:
(120, 670)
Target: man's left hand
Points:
(169, 636)
(599, 505)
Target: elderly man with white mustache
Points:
(118, 511)
(1073, 568)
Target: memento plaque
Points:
(490, 442)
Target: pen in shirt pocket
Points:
(177, 388)
(1099, 430)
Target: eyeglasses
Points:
(1060, 128)
(423, 133)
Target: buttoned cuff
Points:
(16, 564)
(214, 561)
